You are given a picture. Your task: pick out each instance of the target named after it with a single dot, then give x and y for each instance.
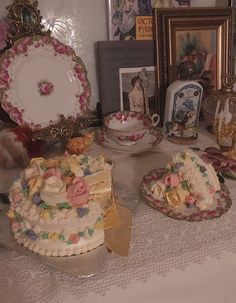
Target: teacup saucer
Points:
(151, 138)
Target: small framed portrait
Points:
(138, 89)
(113, 56)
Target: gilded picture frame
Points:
(205, 31)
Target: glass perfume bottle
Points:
(224, 124)
(182, 107)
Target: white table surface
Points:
(169, 260)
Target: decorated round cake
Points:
(58, 205)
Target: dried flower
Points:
(3, 34)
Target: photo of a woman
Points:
(136, 96)
(137, 89)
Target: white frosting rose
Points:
(37, 162)
(31, 172)
(53, 191)
(53, 185)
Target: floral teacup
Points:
(127, 128)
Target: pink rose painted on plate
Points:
(45, 88)
(78, 192)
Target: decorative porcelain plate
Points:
(41, 78)
(151, 138)
(222, 202)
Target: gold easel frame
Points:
(24, 20)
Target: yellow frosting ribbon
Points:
(11, 214)
(111, 216)
(35, 185)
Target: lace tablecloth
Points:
(158, 244)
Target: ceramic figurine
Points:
(182, 107)
(78, 145)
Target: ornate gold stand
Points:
(25, 20)
(65, 128)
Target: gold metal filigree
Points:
(65, 128)
(24, 20)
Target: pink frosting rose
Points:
(78, 192)
(212, 190)
(15, 226)
(16, 198)
(190, 199)
(74, 238)
(172, 180)
(53, 172)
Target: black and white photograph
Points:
(138, 89)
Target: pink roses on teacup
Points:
(78, 192)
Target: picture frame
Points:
(206, 30)
(114, 16)
(138, 89)
(232, 3)
(140, 17)
(111, 56)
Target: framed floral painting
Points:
(200, 35)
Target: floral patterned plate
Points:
(151, 138)
(222, 202)
(41, 78)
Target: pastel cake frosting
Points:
(188, 181)
(58, 205)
